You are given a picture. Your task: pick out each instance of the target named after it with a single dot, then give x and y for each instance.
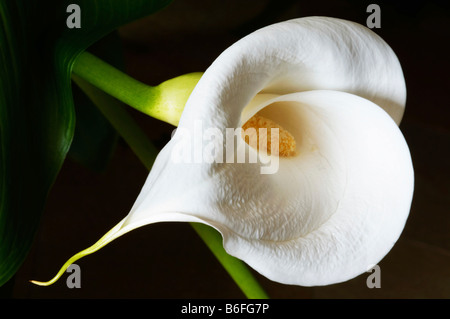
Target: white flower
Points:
(325, 213)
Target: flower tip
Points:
(41, 283)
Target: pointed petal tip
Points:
(41, 283)
(57, 276)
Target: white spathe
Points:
(333, 210)
(330, 212)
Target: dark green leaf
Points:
(37, 121)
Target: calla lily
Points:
(329, 210)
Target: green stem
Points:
(113, 81)
(146, 152)
(164, 102)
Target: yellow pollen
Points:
(284, 139)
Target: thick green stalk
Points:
(164, 102)
(145, 151)
(113, 81)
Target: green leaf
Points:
(37, 118)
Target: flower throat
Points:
(285, 140)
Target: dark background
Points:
(169, 260)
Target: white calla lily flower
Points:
(324, 213)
